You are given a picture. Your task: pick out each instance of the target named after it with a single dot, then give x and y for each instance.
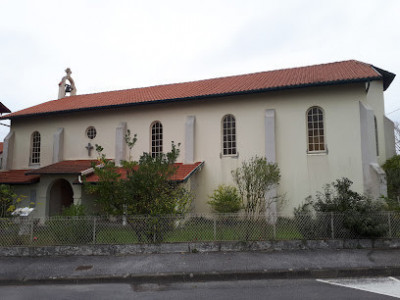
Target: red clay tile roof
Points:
(183, 172)
(76, 167)
(324, 74)
(64, 167)
(17, 177)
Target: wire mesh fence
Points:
(194, 227)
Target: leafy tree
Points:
(147, 190)
(8, 200)
(392, 169)
(254, 179)
(109, 191)
(225, 199)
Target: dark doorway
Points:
(61, 195)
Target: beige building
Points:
(318, 123)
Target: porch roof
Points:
(183, 172)
(74, 167)
(17, 177)
(83, 167)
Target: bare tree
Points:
(397, 136)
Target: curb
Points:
(213, 276)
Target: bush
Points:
(392, 170)
(72, 227)
(354, 215)
(225, 199)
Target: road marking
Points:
(388, 286)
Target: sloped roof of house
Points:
(76, 167)
(17, 177)
(316, 75)
(183, 172)
(64, 167)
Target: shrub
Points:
(225, 199)
(355, 215)
(72, 227)
(392, 170)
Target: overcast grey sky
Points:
(111, 45)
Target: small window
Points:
(91, 132)
(229, 135)
(35, 148)
(315, 130)
(156, 139)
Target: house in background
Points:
(318, 123)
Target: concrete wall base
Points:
(195, 247)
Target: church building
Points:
(318, 123)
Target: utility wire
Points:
(393, 111)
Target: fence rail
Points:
(28, 231)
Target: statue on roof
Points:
(64, 88)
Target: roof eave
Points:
(201, 97)
(387, 77)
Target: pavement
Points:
(203, 266)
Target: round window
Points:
(91, 132)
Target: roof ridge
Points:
(338, 72)
(212, 78)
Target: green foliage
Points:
(74, 210)
(8, 201)
(338, 197)
(147, 190)
(70, 230)
(225, 199)
(392, 169)
(352, 214)
(254, 179)
(109, 191)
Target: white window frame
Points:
(229, 136)
(35, 148)
(156, 138)
(316, 131)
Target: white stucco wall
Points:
(302, 174)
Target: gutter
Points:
(195, 170)
(87, 172)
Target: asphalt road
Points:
(356, 288)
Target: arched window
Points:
(35, 148)
(229, 135)
(156, 139)
(315, 129)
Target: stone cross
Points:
(89, 148)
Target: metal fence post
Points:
(389, 223)
(154, 235)
(274, 230)
(31, 233)
(215, 228)
(94, 230)
(332, 227)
